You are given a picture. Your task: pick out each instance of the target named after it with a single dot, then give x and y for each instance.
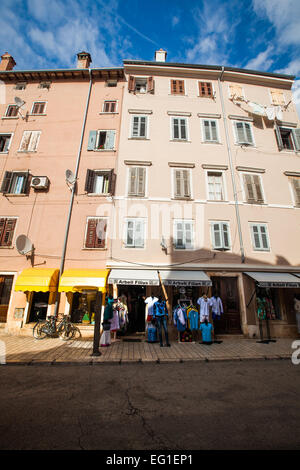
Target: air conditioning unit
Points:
(39, 182)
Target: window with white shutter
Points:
(30, 140)
(295, 182)
(243, 133)
(105, 140)
(220, 235)
(182, 183)
(135, 233)
(183, 234)
(253, 188)
(210, 131)
(260, 238)
(179, 128)
(139, 127)
(137, 181)
(215, 186)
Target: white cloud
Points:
(296, 95)
(284, 16)
(175, 21)
(262, 61)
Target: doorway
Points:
(230, 321)
(5, 291)
(39, 304)
(136, 296)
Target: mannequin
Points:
(150, 301)
(160, 313)
(204, 304)
(297, 310)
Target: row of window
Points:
(39, 108)
(204, 89)
(134, 234)
(288, 139)
(102, 182)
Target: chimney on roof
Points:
(7, 62)
(83, 60)
(160, 56)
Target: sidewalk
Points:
(50, 351)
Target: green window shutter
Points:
(296, 134)
(141, 181)
(264, 237)
(206, 125)
(188, 235)
(248, 133)
(110, 140)
(225, 233)
(216, 236)
(92, 140)
(278, 137)
(175, 128)
(179, 238)
(256, 238)
(89, 181)
(257, 183)
(186, 183)
(135, 126)
(183, 129)
(6, 182)
(239, 129)
(132, 187)
(143, 126)
(296, 187)
(178, 186)
(248, 182)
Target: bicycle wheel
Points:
(39, 332)
(76, 334)
(65, 332)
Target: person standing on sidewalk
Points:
(160, 314)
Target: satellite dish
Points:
(70, 178)
(19, 102)
(23, 244)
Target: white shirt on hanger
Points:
(204, 305)
(150, 301)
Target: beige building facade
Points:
(208, 190)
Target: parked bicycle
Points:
(65, 330)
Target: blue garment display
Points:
(160, 309)
(206, 330)
(152, 334)
(192, 315)
(180, 318)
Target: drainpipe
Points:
(62, 262)
(236, 202)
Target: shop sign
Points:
(178, 283)
(135, 282)
(279, 284)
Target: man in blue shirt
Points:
(160, 313)
(206, 329)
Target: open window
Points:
(140, 84)
(99, 182)
(15, 182)
(287, 139)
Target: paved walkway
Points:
(27, 350)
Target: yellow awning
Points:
(37, 280)
(76, 280)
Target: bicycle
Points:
(65, 329)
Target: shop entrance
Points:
(83, 307)
(230, 321)
(5, 291)
(39, 304)
(135, 299)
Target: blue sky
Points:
(256, 34)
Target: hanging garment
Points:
(160, 309)
(204, 305)
(108, 311)
(206, 331)
(193, 318)
(115, 323)
(150, 301)
(270, 112)
(257, 108)
(105, 339)
(151, 334)
(278, 113)
(261, 308)
(270, 310)
(179, 318)
(216, 306)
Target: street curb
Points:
(93, 362)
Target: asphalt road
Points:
(226, 405)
